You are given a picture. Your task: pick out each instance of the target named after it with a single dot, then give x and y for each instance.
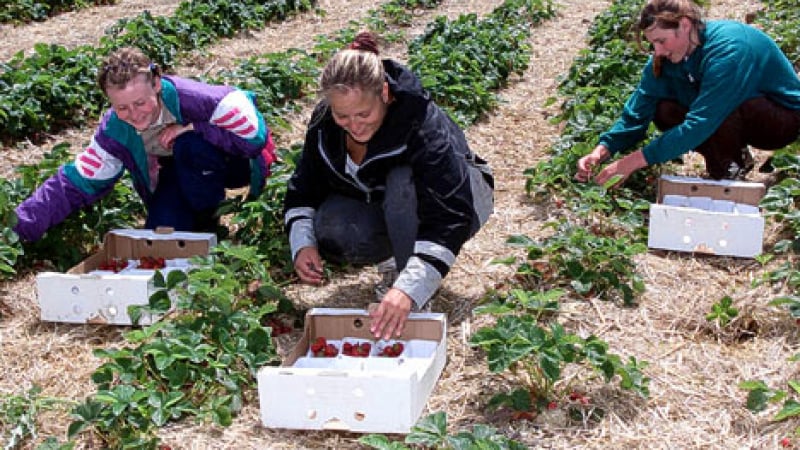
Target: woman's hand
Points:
(170, 133)
(308, 265)
(587, 164)
(623, 167)
(390, 316)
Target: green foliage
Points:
(537, 356)
(22, 11)
(760, 396)
(431, 432)
(202, 362)
(589, 264)
(19, 414)
(722, 312)
(781, 20)
(54, 88)
(461, 62)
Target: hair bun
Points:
(365, 41)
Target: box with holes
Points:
(120, 274)
(363, 394)
(707, 216)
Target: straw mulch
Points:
(695, 367)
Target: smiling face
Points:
(137, 103)
(672, 43)
(359, 112)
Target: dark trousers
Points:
(355, 232)
(759, 122)
(191, 185)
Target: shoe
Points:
(737, 172)
(767, 166)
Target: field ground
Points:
(695, 368)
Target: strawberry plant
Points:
(22, 11)
(760, 396)
(723, 311)
(536, 356)
(460, 62)
(202, 362)
(431, 432)
(591, 265)
(19, 416)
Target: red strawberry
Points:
(786, 442)
(552, 405)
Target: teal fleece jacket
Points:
(733, 63)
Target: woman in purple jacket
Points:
(184, 142)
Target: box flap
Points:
(136, 243)
(749, 193)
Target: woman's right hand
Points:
(308, 265)
(587, 164)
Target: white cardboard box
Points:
(85, 295)
(707, 216)
(364, 395)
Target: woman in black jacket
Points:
(385, 175)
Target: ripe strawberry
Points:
(330, 351)
(786, 442)
(552, 405)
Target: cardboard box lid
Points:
(746, 192)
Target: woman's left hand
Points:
(390, 316)
(623, 167)
(170, 133)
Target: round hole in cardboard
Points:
(311, 414)
(181, 243)
(112, 310)
(75, 290)
(694, 188)
(723, 243)
(77, 309)
(109, 291)
(726, 191)
(358, 323)
(687, 239)
(359, 416)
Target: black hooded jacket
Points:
(416, 132)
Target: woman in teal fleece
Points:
(710, 86)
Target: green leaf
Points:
(381, 442)
(429, 431)
(790, 408)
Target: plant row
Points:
(594, 217)
(23, 11)
(54, 88)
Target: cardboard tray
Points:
(715, 217)
(364, 395)
(83, 295)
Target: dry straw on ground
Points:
(695, 366)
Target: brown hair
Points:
(666, 14)
(356, 67)
(122, 66)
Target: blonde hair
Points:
(356, 67)
(122, 66)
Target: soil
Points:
(694, 366)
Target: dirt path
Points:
(695, 369)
